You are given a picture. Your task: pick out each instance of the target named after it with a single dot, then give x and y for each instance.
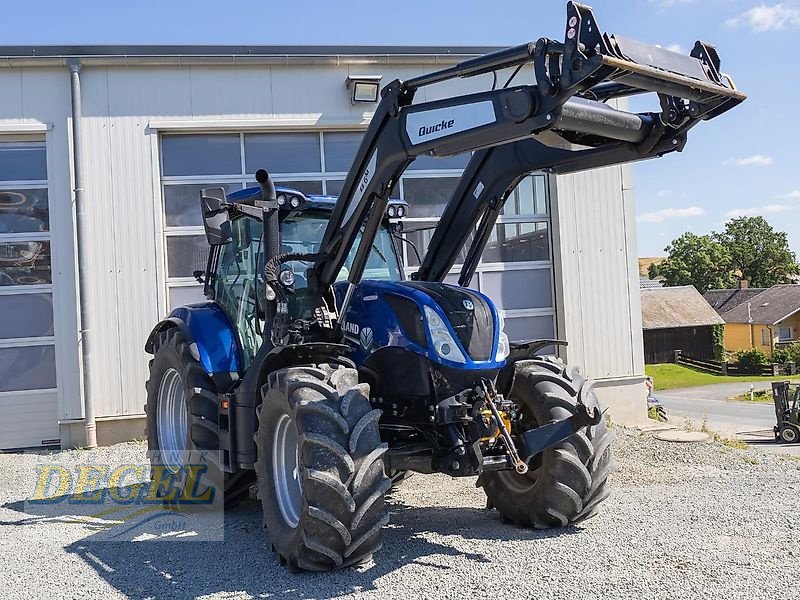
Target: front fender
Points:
(210, 333)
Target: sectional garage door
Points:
(28, 393)
(516, 270)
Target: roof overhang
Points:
(791, 314)
(116, 55)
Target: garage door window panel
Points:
(519, 289)
(26, 316)
(24, 210)
(193, 155)
(186, 254)
(24, 161)
(282, 152)
(518, 242)
(27, 368)
(25, 263)
(182, 202)
(531, 328)
(340, 150)
(428, 196)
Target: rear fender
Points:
(211, 336)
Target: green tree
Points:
(758, 253)
(697, 260)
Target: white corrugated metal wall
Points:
(597, 283)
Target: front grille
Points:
(474, 328)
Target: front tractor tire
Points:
(565, 483)
(320, 468)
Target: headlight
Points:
(287, 277)
(443, 343)
(503, 347)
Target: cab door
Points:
(238, 282)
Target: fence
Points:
(726, 368)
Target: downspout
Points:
(81, 226)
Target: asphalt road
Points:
(745, 421)
(710, 403)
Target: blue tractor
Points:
(316, 371)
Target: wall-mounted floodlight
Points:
(363, 88)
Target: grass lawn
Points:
(668, 376)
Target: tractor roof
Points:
(248, 195)
(307, 202)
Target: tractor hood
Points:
(447, 324)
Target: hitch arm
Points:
(541, 438)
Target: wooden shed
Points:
(677, 318)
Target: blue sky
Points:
(745, 162)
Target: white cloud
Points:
(769, 209)
(673, 47)
(767, 18)
(757, 160)
(670, 213)
(790, 195)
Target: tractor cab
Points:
(234, 276)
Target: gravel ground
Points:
(685, 521)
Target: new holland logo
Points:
(366, 337)
(468, 304)
(349, 327)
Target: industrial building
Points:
(132, 134)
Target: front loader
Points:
(316, 368)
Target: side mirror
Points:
(216, 219)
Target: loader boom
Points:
(493, 173)
(573, 81)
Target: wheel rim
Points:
(789, 435)
(286, 470)
(172, 420)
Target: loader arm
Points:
(493, 173)
(573, 80)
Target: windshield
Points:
(302, 232)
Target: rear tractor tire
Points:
(320, 468)
(565, 483)
(178, 392)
